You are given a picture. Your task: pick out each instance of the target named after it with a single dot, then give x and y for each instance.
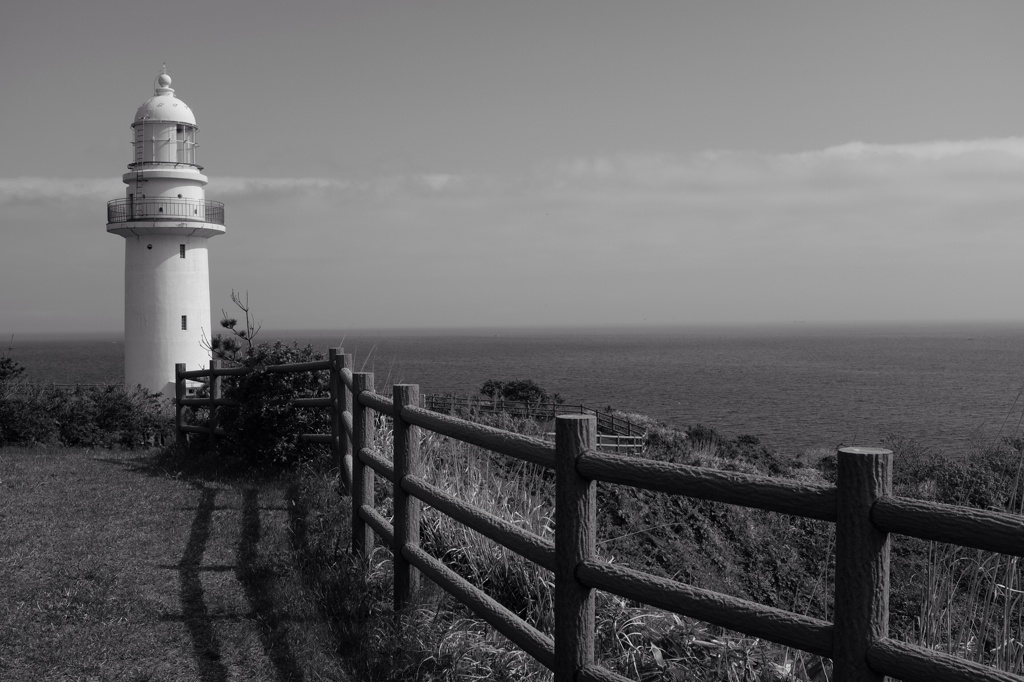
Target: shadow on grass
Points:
(197, 468)
(257, 580)
(346, 600)
(205, 645)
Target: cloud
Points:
(37, 190)
(699, 175)
(855, 162)
(34, 190)
(924, 151)
(239, 186)
(857, 230)
(906, 187)
(431, 183)
(440, 182)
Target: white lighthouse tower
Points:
(166, 222)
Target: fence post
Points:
(407, 507)
(179, 393)
(862, 562)
(214, 396)
(363, 433)
(341, 446)
(575, 542)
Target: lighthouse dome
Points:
(164, 106)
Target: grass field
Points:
(113, 569)
(126, 566)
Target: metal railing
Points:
(154, 162)
(165, 208)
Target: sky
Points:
(474, 163)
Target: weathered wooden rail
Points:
(607, 423)
(861, 506)
(614, 433)
(336, 402)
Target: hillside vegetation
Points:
(962, 601)
(78, 416)
(966, 602)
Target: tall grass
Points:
(439, 639)
(973, 603)
(957, 600)
(516, 491)
(973, 607)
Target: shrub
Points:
(519, 391)
(10, 369)
(76, 415)
(703, 436)
(265, 427)
(26, 418)
(85, 416)
(987, 479)
(130, 417)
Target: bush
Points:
(988, 479)
(77, 418)
(130, 417)
(518, 391)
(26, 418)
(265, 427)
(83, 416)
(10, 370)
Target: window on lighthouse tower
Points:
(186, 144)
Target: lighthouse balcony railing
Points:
(165, 208)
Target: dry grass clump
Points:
(972, 603)
(437, 639)
(516, 491)
(651, 645)
(440, 640)
(972, 606)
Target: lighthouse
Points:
(166, 222)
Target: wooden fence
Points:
(607, 423)
(861, 505)
(336, 402)
(614, 434)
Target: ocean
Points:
(952, 387)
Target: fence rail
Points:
(861, 505)
(607, 423)
(336, 403)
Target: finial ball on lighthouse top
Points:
(163, 105)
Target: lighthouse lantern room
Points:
(166, 221)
